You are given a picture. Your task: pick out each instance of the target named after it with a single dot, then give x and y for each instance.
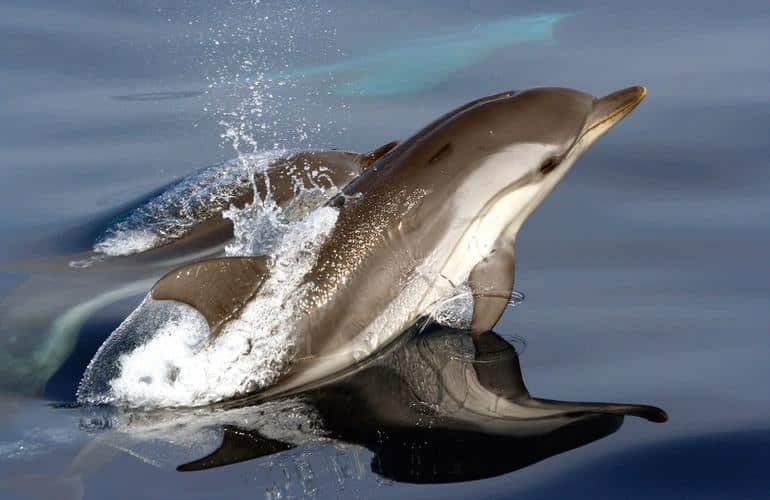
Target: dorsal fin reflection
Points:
(237, 446)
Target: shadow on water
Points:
(441, 408)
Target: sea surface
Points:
(645, 272)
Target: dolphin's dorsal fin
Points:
(217, 288)
(491, 282)
(237, 446)
(372, 156)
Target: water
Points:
(645, 271)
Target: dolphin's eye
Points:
(549, 165)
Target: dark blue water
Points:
(645, 271)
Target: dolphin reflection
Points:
(428, 411)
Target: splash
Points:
(244, 52)
(161, 356)
(177, 210)
(261, 117)
(424, 63)
(456, 311)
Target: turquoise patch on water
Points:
(424, 63)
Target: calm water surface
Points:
(645, 272)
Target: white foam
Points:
(128, 242)
(174, 364)
(456, 311)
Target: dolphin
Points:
(441, 209)
(189, 213)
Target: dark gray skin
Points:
(440, 209)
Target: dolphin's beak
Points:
(612, 108)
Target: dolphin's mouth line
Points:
(618, 112)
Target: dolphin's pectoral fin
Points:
(237, 446)
(217, 288)
(372, 156)
(491, 282)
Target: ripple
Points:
(158, 96)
